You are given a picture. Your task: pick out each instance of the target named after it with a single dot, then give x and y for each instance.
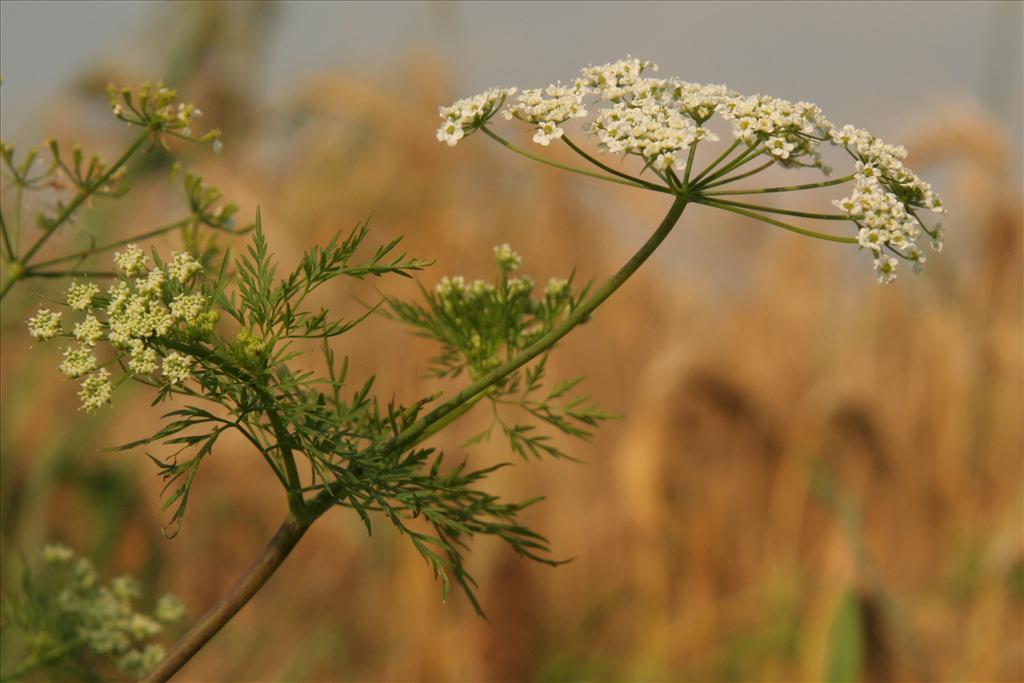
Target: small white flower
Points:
(546, 132)
(125, 588)
(871, 238)
(480, 289)
(885, 269)
(779, 147)
(450, 133)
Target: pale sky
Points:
(873, 63)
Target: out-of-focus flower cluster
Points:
(68, 609)
(156, 107)
(659, 119)
(146, 307)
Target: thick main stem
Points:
(287, 536)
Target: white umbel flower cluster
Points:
(660, 120)
(547, 109)
(883, 205)
(136, 315)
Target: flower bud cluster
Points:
(156, 107)
(45, 324)
(484, 322)
(137, 315)
(507, 259)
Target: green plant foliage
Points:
(71, 623)
(845, 656)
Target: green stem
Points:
(689, 165)
(11, 255)
(85, 194)
(710, 167)
(19, 269)
(600, 176)
(32, 272)
(275, 552)
(603, 166)
(741, 176)
(119, 243)
(15, 271)
(787, 212)
(296, 502)
(771, 221)
(744, 156)
(449, 418)
(18, 198)
(788, 188)
(38, 660)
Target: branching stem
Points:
(113, 245)
(294, 526)
(600, 176)
(786, 188)
(411, 433)
(20, 268)
(609, 169)
(707, 201)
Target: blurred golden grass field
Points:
(814, 472)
